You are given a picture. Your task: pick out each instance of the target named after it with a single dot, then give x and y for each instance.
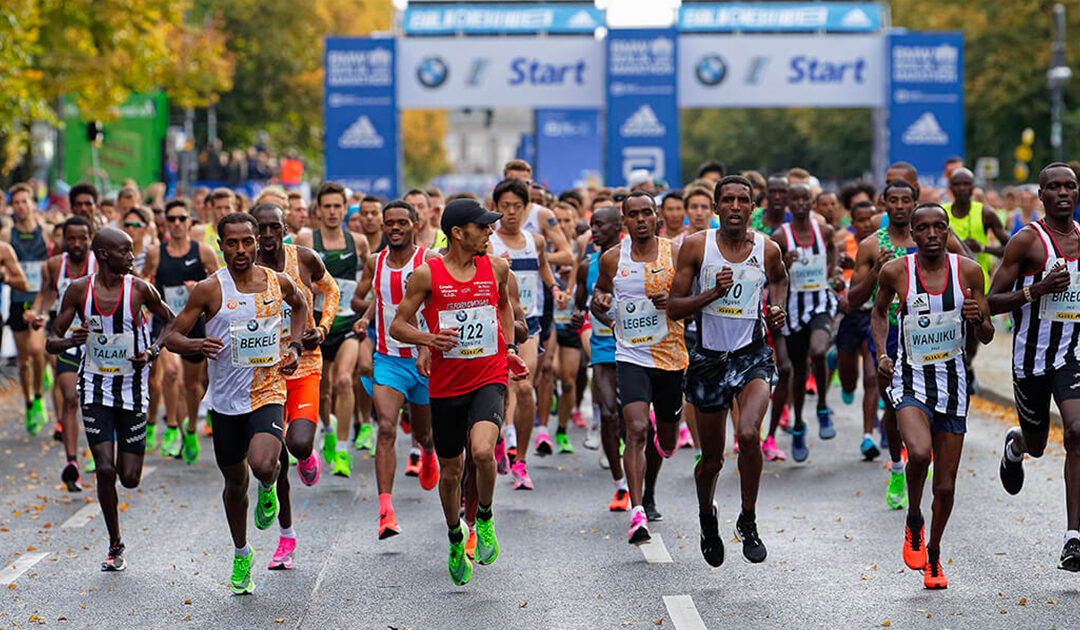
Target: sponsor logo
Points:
(711, 70)
(856, 18)
(581, 19)
(102, 339)
(642, 124)
(303, 405)
(190, 262)
(919, 302)
(756, 72)
(926, 64)
(624, 272)
(630, 308)
(253, 325)
(648, 158)
(361, 134)
(936, 356)
(925, 130)
(461, 317)
(231, 305)
(432, 72)
(924, 321)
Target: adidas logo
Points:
(581, 19)
(925, 130)
(856, 18)
(919, 302)
(361, 135)
(752, 261)
(642, 124)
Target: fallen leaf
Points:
(886, 623)
(1023, 601)
(187, 602)
(282, 620)
(31, 548)
(660, 622)
(123, 507)
(524, 604)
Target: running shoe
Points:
(1011, 473)
(933, 577)
(847, 397)
(151, 437)
(622, 447)
(329, 441)
(639, 529)
(621, 502)
(869, 450)
(90, 465)
(208, 425)
(592, 437)
(342, 464)
(35, 420)
(578, 419)
(881, 404)
(309, 470)
(835, 380)
(811, 385)
(735, 444)
(388, 526)
(70, 477)
(649, 503)
(562, 443)
(502, 461)
(429, 471)
(712, 546)
(365, 438)
(521, 476)
(771, 451)
(241, 581)
(114, 560)
(1070, 555)
(292, 459)
(785, 420)
(686, 440)
(656, 439)
(190, 450)
(604, 463)
(470, 545)
(266, 510)
(460, 567)
(826, 429)
(896, 497)
(799, 450)
(283, 556)
(412, 469)
(753, 549)
(58, 432)
(406, 422)
(542, 444)
(47, 380)
(487, 546)
(914, 548)
(170, 444)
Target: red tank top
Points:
(457, 376)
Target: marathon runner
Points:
(1037, 282)
(567, 342)
(304, 268)
(397, 379)
(927, 380)
(673, 217)
(719, 281)
(113, 389)
(344, 254)
(650, 352)
(469, 314)
(28, 242)
(243, 304)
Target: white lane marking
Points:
(683, 613)
(82, 517)
(654, 551)
(146, 471)
(12, 572)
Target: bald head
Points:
(109, 236)
(962, 174)
(113, 250)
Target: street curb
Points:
(996, 398)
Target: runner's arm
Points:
(151, 264)
(549, 227)
(331, 297)
(879, 315)
(546, 275)
(151, 299)
(992, 224)
(521, 325)
(46, 296)
(581, 301)
(175, 334)
(971, 279)
(75, 295)
(359, 304)
(13, 274)
(1020, 256)
(776, 275)
(295, 299)
(865, 275)
(681, 304)
(506, 301)
(602, 293)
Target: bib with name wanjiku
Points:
(255, 342)
(108, 354)
(931, 338)
(478, 328)
(743, 299)
(640, 323)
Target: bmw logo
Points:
(102, 339)
(253, 325)
(804, 260)
(630, 308)
(711, 70)
(432, 72)
(924, 321)
(461, 316)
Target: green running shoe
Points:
(151, 437)
(170, 444)
(562, 443)
(365, 438)
(329, 441)
(897, 497)
(622, 446)
(460, 567)
(241, 581)
(292, 460)
(90, 465)
(487, 546)
(190, 449)
(47, 380)
(267, 508)
(342, 463)
(36, 416)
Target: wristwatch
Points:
(299, 347)
(511, 348)
(153, 351)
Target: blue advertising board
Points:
(788, 17)
(360, 115)
(926, 100)
(642, 105)
(569, 147)
(496, 19)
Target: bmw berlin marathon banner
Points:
(361, 117)
(642, 106)
(926, 99)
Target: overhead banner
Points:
(642, 106)
(360, 115)
(770, 71)
(131, 143)
(506, 18)
(926, 100)
(788, 17)
(448, 72)
(569, 148)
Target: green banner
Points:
(131, 145)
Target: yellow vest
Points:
(972, 226)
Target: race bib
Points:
(640, 324)
(255, 342)
(809, 273)
(563, 315)
(32, 269)
(108, 354)
(286, 323)
(527, 293)
(743, 299)
(1064, 306)
(601, 330)
(176, 298)
(933, 337)
(478, 329)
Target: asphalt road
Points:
(834, 550)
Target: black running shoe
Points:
(70, 477)
(712, 546)
(649, 503)
(115, 560)
(752, 548)
(1011, 473)
(1070, 555)
(58, 433)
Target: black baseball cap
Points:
(461, 211)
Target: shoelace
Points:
(934, 567)
(749, 534)
(913, 540)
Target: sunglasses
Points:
(133, 225)
(176, 219)
(619, 198)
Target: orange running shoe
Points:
(470, 545)
(914, 549)
(412, 469)
(388, 526)
(933, 577)
(429, 471)
(621, 502)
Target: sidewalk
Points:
(993, 367)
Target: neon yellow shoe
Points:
(329, 446)
(342, 464)
(151, 437)
(190, 450)
(896, 496)
(487, 546)
(241, 581)
(266, 510)
(365, 438)
(460, 567)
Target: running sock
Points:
(71, 459)
(560, 431)
(483, 512)
(385, 504)
(342, 447)
(897, 467)
(747, 516)
(415, 451)
(510, 435)
(288, 532)
(1071, 534)
(867, 436)
(620, 484)
(264, 487)
(244, 551)
(455, 534)
(637, 509)
(1011, 454)
(914, 523)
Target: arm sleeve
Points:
(331, 298)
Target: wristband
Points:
(296, 345)
(1027, 294)
(884, 355)
(512, 348)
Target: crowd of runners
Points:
(295, 334)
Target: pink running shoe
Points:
(685, 439)
(656, 438)
(309, 470)
(735, 444)
(639, 528)
(543, 444)
(283, 556)
(771, 451)
(578, 419)
(785, 420)
(502, 461)
(521, 476)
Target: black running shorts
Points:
(108, 424)
(233, 433)
(662, 388)
(1032, 395)
(453, 417)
